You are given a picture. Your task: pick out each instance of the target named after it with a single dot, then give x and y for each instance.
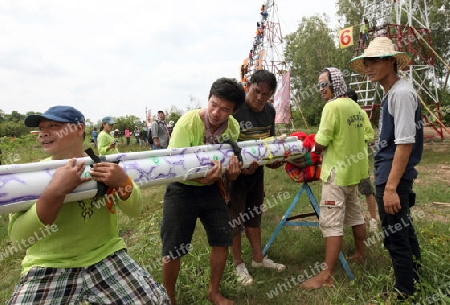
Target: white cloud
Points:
(119, 57)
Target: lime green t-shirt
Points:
(368, 130)
(103, 141)
(83, 234)
(190, 131)
(341, 130)
(365, 28)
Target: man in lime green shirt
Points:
(74, 252)
(186, 201)
(341, 139)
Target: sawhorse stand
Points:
(287, 221)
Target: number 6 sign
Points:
(346, 37)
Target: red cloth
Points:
(300, 135)
(307, 168)
(305, 174)
(308, 140)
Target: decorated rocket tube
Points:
(22, 184)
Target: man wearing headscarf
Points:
(341, 139)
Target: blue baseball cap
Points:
(63, 114)
(108, 120)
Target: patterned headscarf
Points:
(337, 83)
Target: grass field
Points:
(299, 248)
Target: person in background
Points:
(399, 151)
(365, 33)
(247, 191)
(136, 134)
(365, 186)
(95, 136)
(258, 35)
(107, 145)
(263, 28)
(170, 127)
(264, 13)
(202, 198)
(160, 133)
(74, 253)
(340, 136)
(118, 135)
(127, 135)
(149, 136)
(144, 136)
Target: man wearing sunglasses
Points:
(341, 139)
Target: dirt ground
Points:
(431, 134)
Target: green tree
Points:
(350, 13)
(308, 51)
(15, 117)
(173, 114)
(128, 120)
(439, 18)
(11, 125)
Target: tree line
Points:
(12, 125)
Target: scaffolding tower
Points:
(406, 23)
(273, 42)
(268, 48)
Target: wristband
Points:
(127, 188)
(122, 191)
(110, 199)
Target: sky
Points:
(120, 58)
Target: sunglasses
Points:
(323, 85)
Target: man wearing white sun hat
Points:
(398, 152)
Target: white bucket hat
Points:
(380, 47)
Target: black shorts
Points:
(183, 204)
(246, 198)
(365, 187)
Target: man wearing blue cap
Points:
(74, 252)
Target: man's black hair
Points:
(352, 94)
(228, 89)
(264, 76)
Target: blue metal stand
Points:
(287, 221)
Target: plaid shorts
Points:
(117, 279)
